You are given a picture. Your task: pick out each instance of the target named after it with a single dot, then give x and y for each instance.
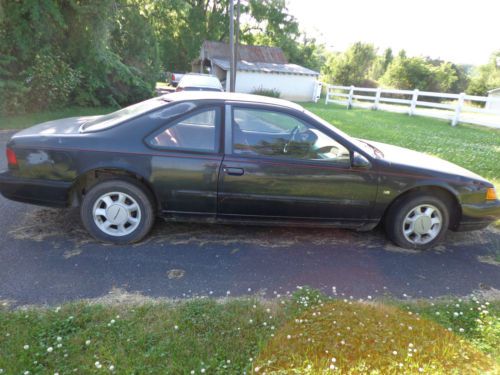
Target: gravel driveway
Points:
(47, 258)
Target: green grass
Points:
(473, 147)
(27, 120)
(234, 336)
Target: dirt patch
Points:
(175, 274)
(47, 224)
(489, 259)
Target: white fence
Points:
(455, 107)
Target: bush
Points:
(273, 93)
(51, 82)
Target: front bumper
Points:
(35, 191)
(479, 216)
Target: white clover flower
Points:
(332, 367)
(56, 373)
(87, 342)
(461, 330)
(111, 368)
(176, 327)
(288, 337)
(410, 345)
(112, 321)
(202, 370)
(192, 372)
(26, 347)
(395, 352)
(26, 373)
(455, 314)
(59, 338)
(59, 345)
(334, 359)
(98, 364)
(420, 369)
(50, 349)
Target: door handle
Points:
(234, 171)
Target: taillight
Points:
(491, 194)
(11, 157)
(173, 77)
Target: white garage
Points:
(259, 67)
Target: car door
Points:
(280, 166)
(186, 162)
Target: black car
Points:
(220, 157)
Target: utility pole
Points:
(232, 63)
(236, 42)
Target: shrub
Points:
(273, 93)
(51, 81)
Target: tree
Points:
(486, 77)
(350, 67)
(410, 73)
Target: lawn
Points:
(307, 333)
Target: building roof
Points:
(264, 54)
(229, 96)
(265, 67)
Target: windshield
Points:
(368, 148)
(114, 118)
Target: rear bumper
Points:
(478, 216)
(41, 192)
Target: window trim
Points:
(229, 138)
(217, 139)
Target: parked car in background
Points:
(199, 82)
(174, 78)
(221, 157)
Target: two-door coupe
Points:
(238, 158)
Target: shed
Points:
(258, 67)
(493, 102)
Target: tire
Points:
(418, 221)
(118, 211)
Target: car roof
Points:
(200, 80)
(231, 97)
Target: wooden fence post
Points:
(349, 100)
(458, 109)
(377, 98)
(413, 104)
(327, 93)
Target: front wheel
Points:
(417, 222)
(117, 211)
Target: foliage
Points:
(273, 93)
(350, 67)
(78, 52)
(418, 73)
(486, 77)
(51, 81)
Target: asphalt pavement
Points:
(46, 257)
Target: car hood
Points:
(395, 155)
(63, 126)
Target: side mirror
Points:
(359, 161)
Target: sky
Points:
(464, 32)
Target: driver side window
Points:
(261, 132)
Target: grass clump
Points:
(351, 337)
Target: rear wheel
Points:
(117, 211)
(418, 221)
